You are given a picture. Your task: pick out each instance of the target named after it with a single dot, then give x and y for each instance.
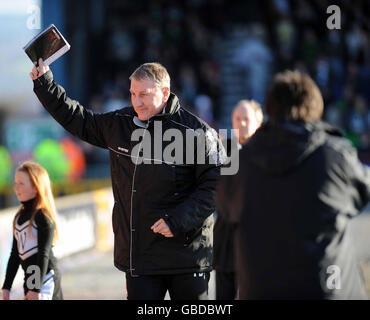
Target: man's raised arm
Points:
(77, 120)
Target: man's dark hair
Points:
(293, 95)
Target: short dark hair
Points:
(293, 95)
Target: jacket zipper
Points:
(132, 196)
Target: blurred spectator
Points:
(286, 37)
(188, 84)
(203, 107)
(255, 57)
(115, 101)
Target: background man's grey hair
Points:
(152, 71)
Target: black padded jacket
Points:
(147, 185)
(298, 186)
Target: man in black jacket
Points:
(247, 117)
(298, 185)
(162, 216)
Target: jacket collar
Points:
(172, 106)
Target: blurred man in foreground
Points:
(298, 185)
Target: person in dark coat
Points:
(247, 117)
(163, 188)
(299, 184)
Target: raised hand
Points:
(38, 73)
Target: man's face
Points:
(147, 99)
(244, 119)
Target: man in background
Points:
(247, 117)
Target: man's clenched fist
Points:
(37, 74)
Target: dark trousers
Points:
(225, 285)
(190, 286)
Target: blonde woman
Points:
(35, 232)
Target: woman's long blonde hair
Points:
(44, 197)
